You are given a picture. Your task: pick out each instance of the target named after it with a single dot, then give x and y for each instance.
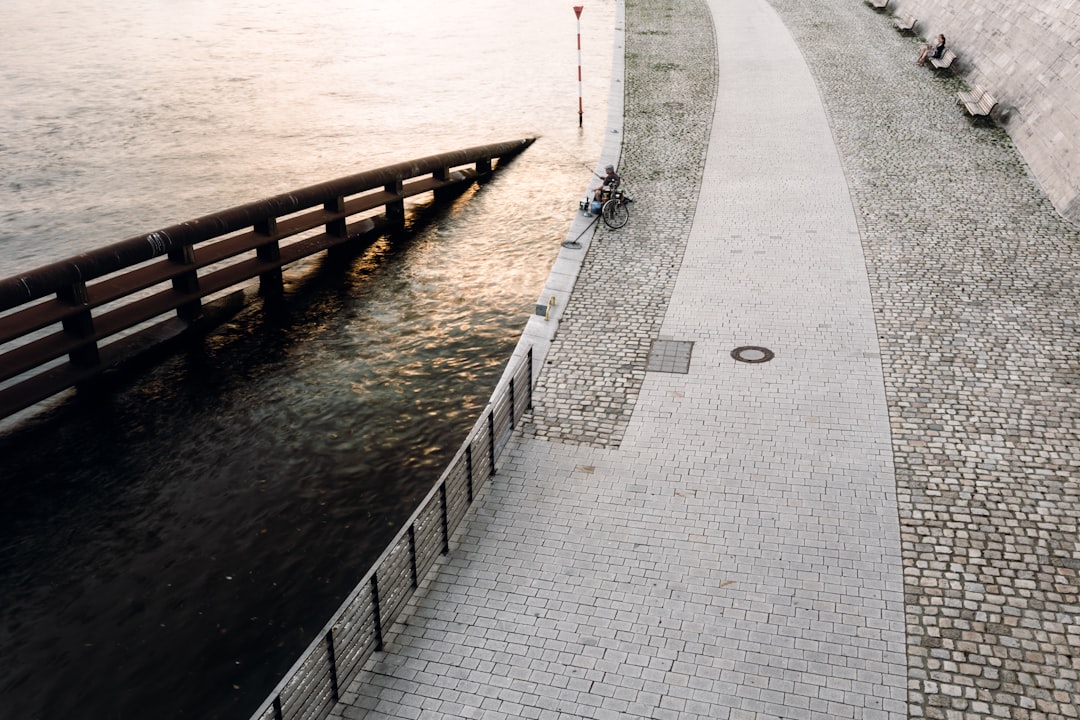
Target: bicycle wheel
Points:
(615, 214)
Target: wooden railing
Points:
(62, 324)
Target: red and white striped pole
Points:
(580, 108)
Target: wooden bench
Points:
(879, 5)
(905, 23)
(979, 103)
(973, 95)
(944, 63)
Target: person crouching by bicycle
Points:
(608, 183)
(610, 180)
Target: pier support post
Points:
(395, 210)
(442, 174)
(270, 281)
(80, 326)
(337, 228)
(186, 283)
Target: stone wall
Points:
(1027, 54)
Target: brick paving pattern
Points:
(975, 282)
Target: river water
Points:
(168, 550)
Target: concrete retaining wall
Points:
(1027, 54)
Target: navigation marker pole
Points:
(580, 108)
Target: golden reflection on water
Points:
(284, 450)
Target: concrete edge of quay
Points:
(543, 324)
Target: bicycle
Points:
(616, 210)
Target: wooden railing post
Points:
(395, 209)
(442, 174)
(186, 283)
(270, 281)
(80, 325)
(336, 228)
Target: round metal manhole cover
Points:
(752, 354)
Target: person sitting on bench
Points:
(931, 51)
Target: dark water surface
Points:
(167, 550)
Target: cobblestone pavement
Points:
(597, 362)
(975, 281)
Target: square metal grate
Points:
(670, 356)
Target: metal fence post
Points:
(445, 520)
(412, 555)
(491, 440)
(376, 615)
(333, 663)
(528, 377)
(512, 401)
(468, 470)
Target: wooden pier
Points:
(61, 325)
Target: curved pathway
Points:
(974, 278)
(878, 522)
(707, 539)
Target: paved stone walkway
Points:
(879, 522)
(975, 279)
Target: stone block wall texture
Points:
(1027, 54)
